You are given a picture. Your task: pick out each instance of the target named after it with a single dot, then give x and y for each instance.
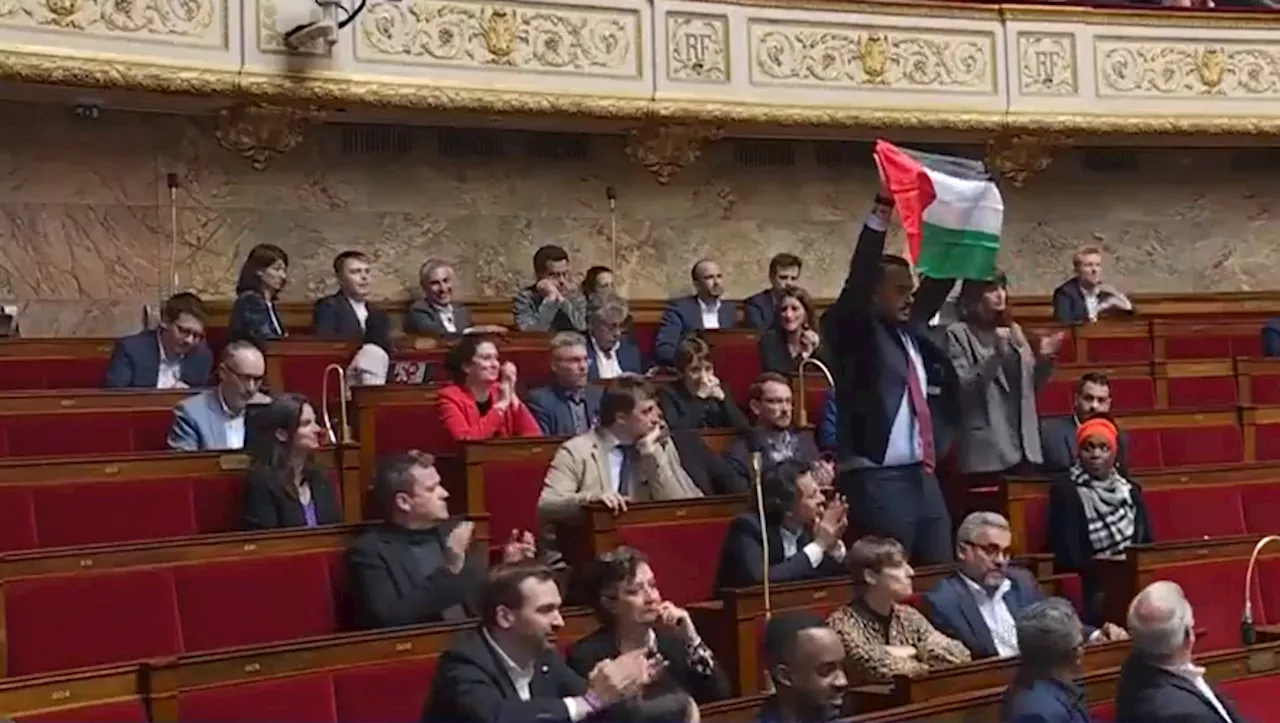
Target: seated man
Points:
(172, 356)
(1084, 298)
(629, 457)
(418, 566)
(436, 313)
(804, 532)
(567, 406)
(806, 665)
(508, 670)
(1058, 434)
(214, 419)
(348, 313)
(1044, 688)
(774, 435)
(979, 603)
(688, 314)
(610, 352)
(761, 308)
(552, 303)
(1160, 682)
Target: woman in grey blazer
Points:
(1000, 372)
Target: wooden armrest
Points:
(1266, 633)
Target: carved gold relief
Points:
(1188, 69)
(697, 48)
(665, 150)
(834, 54)
(1017, 157)
(260, 132)
(182, 20)
(530, 37)
(1047, 64)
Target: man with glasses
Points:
(979, 602)
(214, 419)
(172, 356)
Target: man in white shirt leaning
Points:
(215, 419)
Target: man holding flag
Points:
(896, 391)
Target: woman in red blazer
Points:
(481, 403)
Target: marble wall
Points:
(85, 217)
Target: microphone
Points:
(611, 194)
(1248, 633)
(757, 474)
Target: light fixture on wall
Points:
(327, 17)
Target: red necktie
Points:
(924, 418)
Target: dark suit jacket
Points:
(387, 590)
(551, 408)
(135, 362)
(253, 319)
(1069, 306)
(739, 455)
(776, 357)
(1271, 337)
(1150, 694)
(680, 675)
(333, 317)
(740, 557)
(682, 317)
(760, 309)
(270, 503)
(629, 358)
(472, 686)
(706, 467)
(827, 424)
(870, 360)
(423, 318)
(1058, 445)
(683, 410)
(1044, 701)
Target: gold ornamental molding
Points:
(1018, 157)
(260, 132)
(665, 150)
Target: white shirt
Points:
(170, 374)
(813, 551)
(905, 444)
(995, 613)
(1090, 302)
(607, 366)
(233, 426)
(710, 314)
(446, 318)
(522, 679)
(614, 458)
(1195, 674)
(362, 310)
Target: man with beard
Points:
(806, 665)
(774, 435)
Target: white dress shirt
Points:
(906, 446)
(234, 426)
(995, 613)
(1195, 674)
(813, 551)
(170, 373)
(710, 314)
(362, 310)
(1090, 302)
(522, 679)
(615, 459)
(446, 318)
(607, 366)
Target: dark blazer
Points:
(827, 423)
(739, 454)
(333, 317)
(870, 360)
(1271, 337)
(1044, 701)
(1149, 694)
(551, 408)
(1058, 445)
(386, 589)
(952, 610)
(271, 503)
(629, 356)
(775, 356)
(706, 467)
(135, 362)
(1069, 306)
(423, 318)
(760, 309)
(683, 410)
(682, 317)
(472, 686)
(584, 655)
(253, 319)
(740, 557)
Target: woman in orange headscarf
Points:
(1094, 511)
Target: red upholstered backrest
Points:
(1104, 712)
(1254, 697)
(1220, 444)
(17, 520)
(306, 698)
(133, 710)
(1197, 344)
(88, 513)
(1266, 442)
(534, 364)
(1202, 392)
(304, 374)
(402, 427)
(1119, 349)
(1213, 588)
(1192, 513)
(1144, 448)
(1056, 398)
(1264, 389)
(254, 601)
(645, 335)
(737, 362)
(1037, 523)
(511, 490)
(59, 622)
(23, 373)
(392, 692)
(1261, 505)
(1267, 578)
(1130, 394)
(218, 502)
(684, 555)
(86, 433)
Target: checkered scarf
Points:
(1109, 510)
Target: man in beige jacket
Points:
(628, 458)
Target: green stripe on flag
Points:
(949, 253)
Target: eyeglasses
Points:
(990, 549)
(245, 379)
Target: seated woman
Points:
(793, 337)
(284, 487)
(697, 400)
(1051, 644)
(1094, 511)
(262, 277)
(804, 532)
(481, 403)
(884, 636)
(624, 592)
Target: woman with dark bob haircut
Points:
(284, 487)
(262, 277)
(481, 403)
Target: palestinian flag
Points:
(950, 208)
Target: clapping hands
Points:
(520, 546)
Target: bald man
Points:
(705, 309)
(213, 420)
(1160, 683)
